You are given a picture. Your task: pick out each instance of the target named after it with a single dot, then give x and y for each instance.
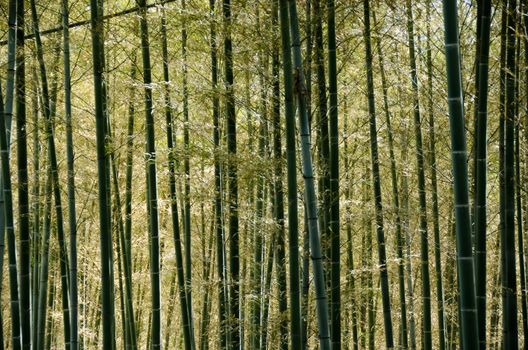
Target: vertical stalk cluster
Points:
(294, 76)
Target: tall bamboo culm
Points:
(8, 215)
(96, 14)
(376, 180)
(72, 212)
(49, 109)
(509, 297)
(481, 138)
(232, 179)
(150, 152)
(22, 174)
(465, 263)
(334, 226)
(424, 239)
(186, 314)
(6, 232)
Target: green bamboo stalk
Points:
(293, 225)
(495, 316)
(170, 311)
(305, 315)
(494, 337)
(8, 110)
(127, 312)
(280, 256)
(49, 102)
(36, 236)
(23, 188)
(152, 198)
(368, 314)
(481, 169)
(405, 225)
(434, 188)
(96, 10)
(186, 168)
(232, 178)
(7, 113)
(519, 217)
(139, 301)
(124, 237)
(522, 198)
(243, 293)
(149, 331)
(465, 262)
(451, 305)
(97, 322)
(509, 301)
(426, 286)
(323, 141)
(117, 225)
(44, 265)
(351, 279)
(334, 224)
(8, 212)
(518, 200)
(395, 194)
(183, 286)
(266, 292)
(306, 157)
(309, 23)
(50, 306)
(256, 270)
(376, 181)
(206, 308)
(223, 308)
(72, 213)
(108, 149)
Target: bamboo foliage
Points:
(273, 113)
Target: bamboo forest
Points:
(263, 174)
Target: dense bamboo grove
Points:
(285, 174)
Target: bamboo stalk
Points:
(96, 11)
(465, 262)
